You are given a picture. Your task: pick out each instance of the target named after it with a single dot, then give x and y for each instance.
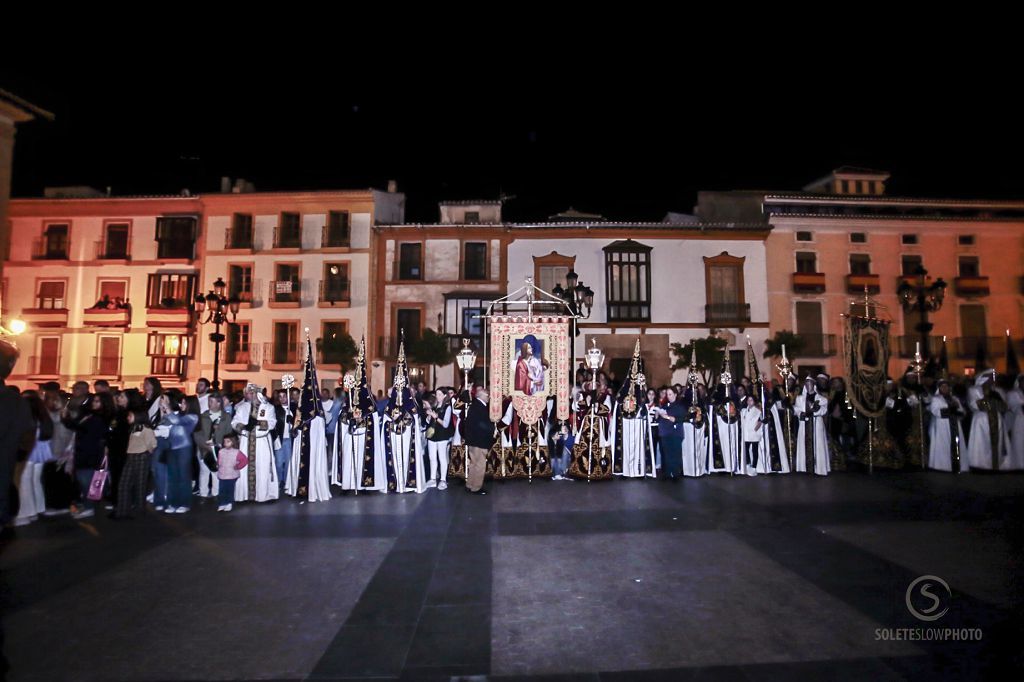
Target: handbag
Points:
(241, 461)
(210, 459)
(99, 481)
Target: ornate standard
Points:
(917, 367)
(595, 358)
(350, 383)
(785, 369)
(218, 307)
(725, 379)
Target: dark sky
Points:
(630, 138)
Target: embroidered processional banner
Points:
(866, 358)
(529, 364)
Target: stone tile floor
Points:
(714, 579)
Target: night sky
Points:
(627, 138)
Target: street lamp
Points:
(922, 298)
(580, 300)
(217, 308)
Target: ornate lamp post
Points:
(217, 307)
(922, 298)
(467, 361)
(580, 300)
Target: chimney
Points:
(392, 186)
(225, 184)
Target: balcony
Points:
(46, 315)
(970, 286)
(286, 293)
(335, 293)
(43, 249)
(240, 358)
(335, 237)
(176, 316)
(168, 367)
(107, 251)
(43, 367)
(106, 367)
(907, 345)
(286, 238)
(727, 314)
(808, 282)
(966, 347)
(238, 239)
(818, 345)
(282, 356)
(913, 280)
(855, 284)
(105, 317)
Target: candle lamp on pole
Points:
(217, 308)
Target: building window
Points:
(48, 360)
(170, 291)
(112, 293)
(176, 237)
(289, 233)
(973, 330)
(472, 217)
(860, 264)
(240, 282)
(240, 234)
(474, 260)
(806, 262)
(965, 240)
(723, 275)
(409, 320)
(286, 343)
(909, 239)
(55, 240)
(330, 334)
(551, 269)
(410, 261)
(337, 233)
(236, 348)
(169, 353)
(628, 281)
(287, 286)
(858, 237)
(51, 295)
(334, 287)
(804, 236)
(115, 244)
(969, 266)
(910, 264)
(108, 356)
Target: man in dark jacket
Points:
(479, 432)
(16, 430)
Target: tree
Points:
(431, 349)
(339, 349)
(793, 343)
(705, 355)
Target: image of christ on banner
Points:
(529, 366)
